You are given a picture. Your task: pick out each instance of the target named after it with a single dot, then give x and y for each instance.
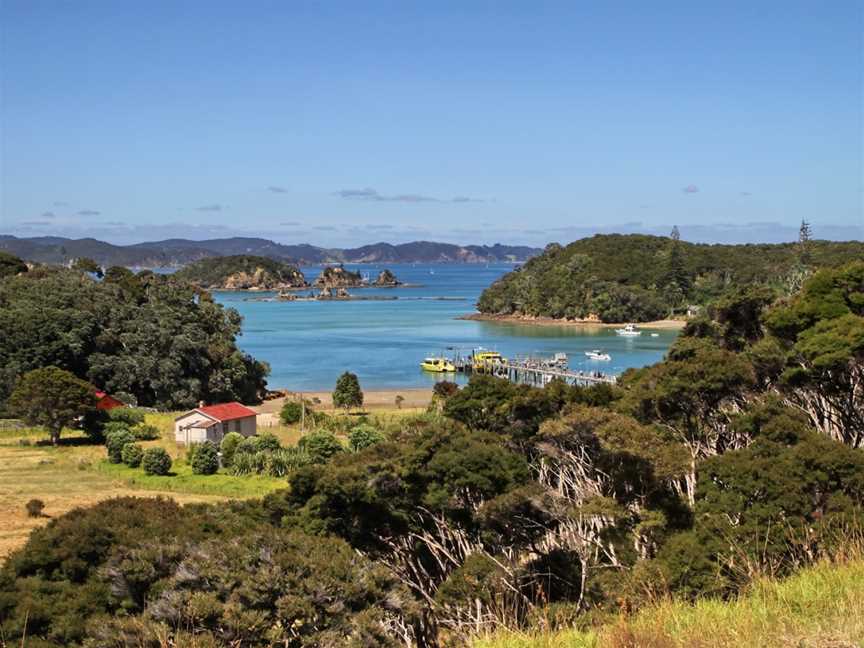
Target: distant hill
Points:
(180, 252)
(242, 272)
(637, 278)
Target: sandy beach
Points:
(666, 324)
(378, 399)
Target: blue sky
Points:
(345, 123)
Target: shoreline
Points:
(373, 399)
(664, 324)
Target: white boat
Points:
(597, 354)
(628, 330)
(655, 335)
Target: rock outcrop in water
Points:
(338, 277)
(386, 279)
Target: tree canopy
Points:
(155, 338)
(621, 278)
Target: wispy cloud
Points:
(89, 212)
(290, 224)
(690, 189)
(746, 193)
(49, 214)
(373, 195)
(60, 203)
(209, 208)
(325, 228)
(36, 223)
(114, 223)
(277, 189)
(379, 227)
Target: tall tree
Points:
(347, 393)
(53, 398)
(676, 272)
(804, 235)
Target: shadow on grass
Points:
(70, 442)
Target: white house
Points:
(212, 422)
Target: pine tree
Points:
(804, 235)
(676, 272)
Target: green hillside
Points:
(242, 272)
(620, 278)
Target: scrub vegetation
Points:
(703, 498)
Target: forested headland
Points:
(242, 272)
(149, 339)
(504, 506)
(640, 278)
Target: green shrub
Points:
(115, 426)
(206, 459)
(128, 415)
(267, 442)
(292, 412)
(261, 443)
(320, 446)
(114, 442)
(132, 454)
(249, 463)
(229, 445)
(281, 462)
(364, 436)
(145, 432)
(156, 461)
(34, 508)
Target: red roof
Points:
(106, 401)
(226, 411)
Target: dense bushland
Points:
(638, 278)
(505, 506)
(146, 338)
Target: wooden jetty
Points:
(531, 371)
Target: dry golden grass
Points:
(62, 478)
(820, 607)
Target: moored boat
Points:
(597, 354)
(437, 365)
(628, 330)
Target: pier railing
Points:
(527, 371)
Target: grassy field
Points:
(76, 473)
(63, 478)
(821, 607)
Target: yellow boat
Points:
(438, 365)
(487, 360)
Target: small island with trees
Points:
(242, 272)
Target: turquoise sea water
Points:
(308, 344)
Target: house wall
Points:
(183, 435)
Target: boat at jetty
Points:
(596, 354)
(486, 361)
(437, 365)
(628, 330)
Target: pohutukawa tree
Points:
(52, 398)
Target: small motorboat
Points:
(655, 335)
(628, 330)
(437, 365)
(596, 354)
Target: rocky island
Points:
(386, 279)
(338, 277)
(243, 272)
